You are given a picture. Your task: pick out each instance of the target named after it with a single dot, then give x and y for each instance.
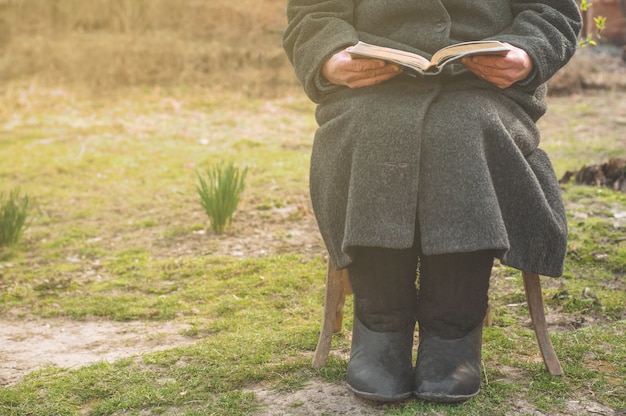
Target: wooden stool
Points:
(338, 287)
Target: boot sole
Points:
(379, 398)
(444, 398)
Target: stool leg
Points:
(487, 321)
(336, 292)
(346, 289)
(534, 298)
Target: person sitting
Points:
(418, 183)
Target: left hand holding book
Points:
(502, 71)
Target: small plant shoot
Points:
(219, 192)
(13, 214)
(599, 22)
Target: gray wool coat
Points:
(455, 154)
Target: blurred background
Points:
(221, 44)
(104, 44)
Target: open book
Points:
(417, 64)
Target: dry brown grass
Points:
(592, 68)
(218, 44)
(108, 43)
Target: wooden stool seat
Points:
(338, 287)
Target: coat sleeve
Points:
(548, 31)
(316, 29)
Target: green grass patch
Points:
(219, 190)
(13, 215)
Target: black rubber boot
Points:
(385, 297)
(380, 366)
(448, 370)
(453, 299)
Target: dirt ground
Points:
(35, 344)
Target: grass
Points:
(104, 44)
(117, 233)
(116, 236)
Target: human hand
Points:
(501, 70)
(343, 69)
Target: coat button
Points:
(440, 27)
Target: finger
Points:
(385, 70)
(369, 81)
(487, 64)
(516, 64)
(364, 64)
(500, 78)
(372, 73)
